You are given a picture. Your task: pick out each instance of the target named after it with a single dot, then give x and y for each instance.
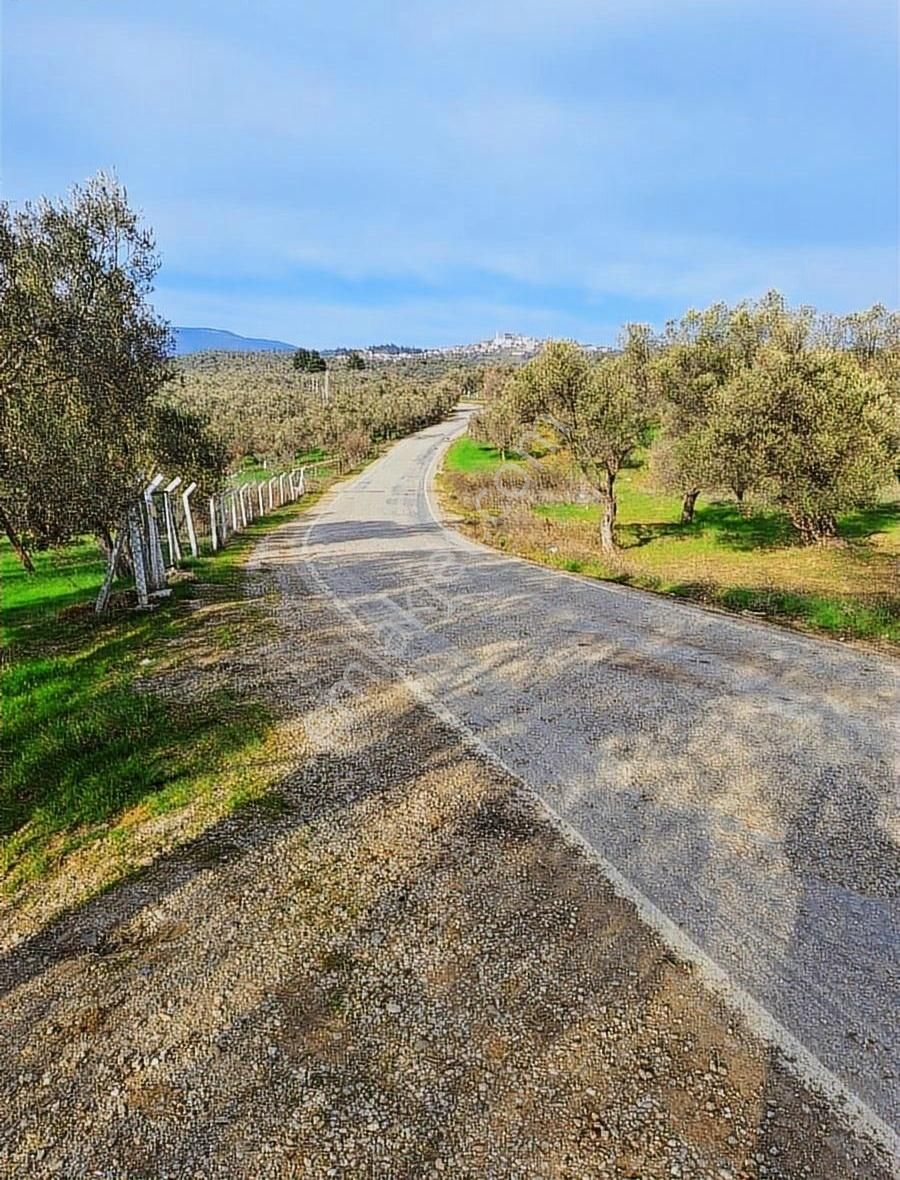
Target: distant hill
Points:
(505, 346)
(214, 339)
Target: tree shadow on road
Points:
(397, 937)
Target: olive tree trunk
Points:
(608, 513)
(688, 505)
(20, 551)
(815, 528)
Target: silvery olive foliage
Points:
(601, 411)
(261, 406)
(771, 404)
(815, 430)
(84, 366)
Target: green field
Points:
(468, 456)
(743, 562)
(62, 578)
(90, 750)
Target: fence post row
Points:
(229, 511)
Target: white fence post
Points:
(234, 512)
(157, 578)
(240, 498)
(281, 487)
(171, 531)
(214, 537)
(188, 518)
(259, 496)
(138, 554)
(115, 554)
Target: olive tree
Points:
(872, 335)
(309, 360)
(695, 360)
(84, 361)
(699, 355)
(817, 427)
(498, 424)
(601, 410)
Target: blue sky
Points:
(430, 173)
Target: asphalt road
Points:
(742, 778)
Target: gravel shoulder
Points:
(393, 965)
(742, 778)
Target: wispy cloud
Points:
(560, 165)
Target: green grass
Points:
(250, 472)
(742, 562)
(644, 516)
(87, 750)
(251, 475)
(468, 456)
(315, 455)
(62, 578)
(835, 615)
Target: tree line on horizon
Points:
(93, 402)
(264, 409)
(775, 405)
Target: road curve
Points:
(742, 778)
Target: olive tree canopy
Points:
(83, 363)
(602, 410)
(816, 429)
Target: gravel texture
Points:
(741, 776)
(394, 966)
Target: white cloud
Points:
(536, 149)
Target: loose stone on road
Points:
(396, 965)
(741, 777)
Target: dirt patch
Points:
(399, 970)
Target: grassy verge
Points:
(253, 472)
(96, 752)
(467, 456)
(726, 558)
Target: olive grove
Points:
(779, 406)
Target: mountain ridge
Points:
(189, 340)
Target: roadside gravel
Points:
(392, 966)
(740, 777)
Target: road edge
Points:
(785, 629)
(796, 1058)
